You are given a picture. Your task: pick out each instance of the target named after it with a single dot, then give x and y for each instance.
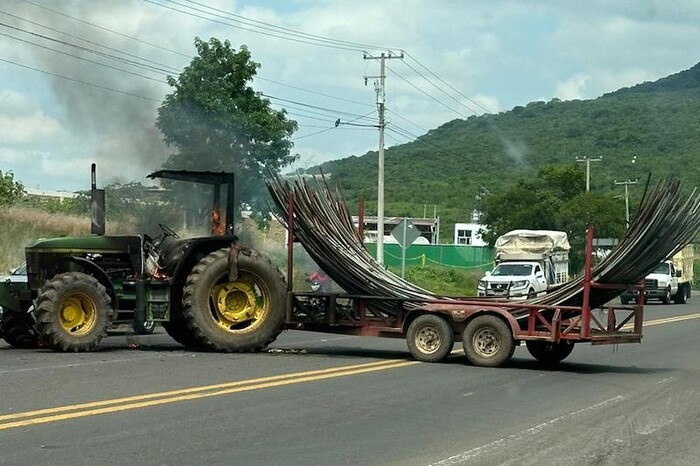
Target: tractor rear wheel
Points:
(73, 312)
(18, 330)
(548, 352)
(245, 314)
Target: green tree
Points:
(11, 191)
(217, 122)
(555, 199)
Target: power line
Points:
(226, 23)
(245, 19)
(365, 104)
(425, 93)
(158, 67)
(107, 29)
(441, 89)
(448, 84)
(303, 136)
(98, 86)
(81, 58)
(330, 110)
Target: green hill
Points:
(658, 122)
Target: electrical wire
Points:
(98, 86)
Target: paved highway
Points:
(327, 399)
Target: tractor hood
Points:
(76, 244)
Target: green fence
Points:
(445, 255)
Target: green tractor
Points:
(208, 292)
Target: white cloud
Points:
(572, 88)
(23, 129)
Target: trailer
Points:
(490, 328)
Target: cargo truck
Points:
(530, 263)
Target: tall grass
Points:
(21, 226)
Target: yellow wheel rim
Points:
(239, 305)
(77, 314)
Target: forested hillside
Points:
(658, 122)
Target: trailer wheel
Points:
(488, 341)
(73, 312)
(242, 315)
(430, 338)
(18, 330)
(548, 352)
(667, 296)
(681, 295)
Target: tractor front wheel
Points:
(73, 312)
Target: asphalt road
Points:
(322, 399)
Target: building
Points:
(429, 229)
(468, 233)
(46, 195)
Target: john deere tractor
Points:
(208, 292)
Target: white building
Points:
(468, 233)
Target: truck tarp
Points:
(529, 244)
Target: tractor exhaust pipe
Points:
(97, 206)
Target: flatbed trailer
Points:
(490, 329)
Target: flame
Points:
(217, 226)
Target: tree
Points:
(555, 200)
(11, 191)
(218, 122)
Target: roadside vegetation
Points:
(442, 281)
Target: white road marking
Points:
(474, 452)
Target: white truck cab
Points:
(514, 280)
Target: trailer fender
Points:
(412, 315)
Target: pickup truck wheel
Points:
(667, 296)
(531, 294)
(430, 338)
(681, 295)
(488, 341)
(623, 301)
(548, 352)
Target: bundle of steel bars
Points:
(666, 221)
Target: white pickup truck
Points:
(530, 262)
(671, 280)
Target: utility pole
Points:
(588, 169)
(379, 88)
(627, 199)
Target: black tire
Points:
(181, 333)
(681, 295)
(623, 300)
(488, 341)
(548, 352)
(531, 294)
(73, 312)
(244, 315)
(667, 296)
(18, 330)
(430, 338)
(144, 328)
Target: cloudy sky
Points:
(80, 80)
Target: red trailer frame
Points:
(355, 315)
